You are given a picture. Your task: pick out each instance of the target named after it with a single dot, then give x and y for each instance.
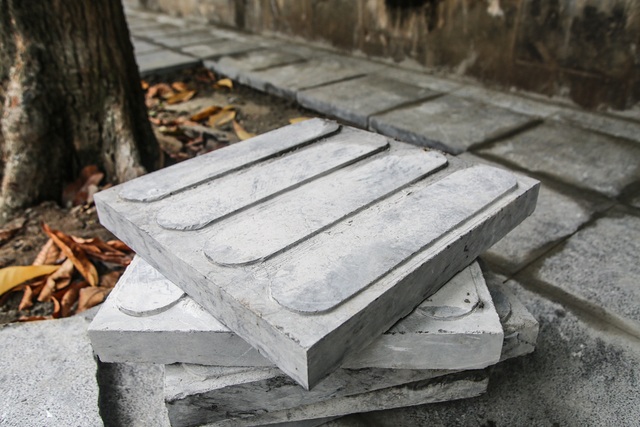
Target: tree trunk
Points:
(70, 96)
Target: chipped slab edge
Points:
(308, 362)
(197, 337)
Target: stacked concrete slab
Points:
(311, 272)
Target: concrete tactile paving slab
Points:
(578, 157)
(287, 80)
(599, 264)
(163, 61)
(275, 291)
(356, 99)
(48, 375)
(147, 319)
(577, 376)
(449, 123)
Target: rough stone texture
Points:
(146, 320)
(218, 47)
(309, 346)
(48, 375)
(599, 264)
(449, 123)
(186, 38)
(581, 158)
(577, 376)
(600, 123)
(163, 61)
(635, 201)
(237, 66)
(357, 99)
(511, 102)
(557, 215)
(191, 410)
(141, 47)
(287, 80)
(131, 395)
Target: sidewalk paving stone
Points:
(287, 80)
(159, 30)
(163, 61)
(516, 103)
(449, 123)
(577, 376)
(557, 215)
(48, 375)
(601, 123)
(578, 157)
(238, 66)
(599, 264)
(419, 79)
(357, 99)
(141, 47)
(186, 38)
(218, 47)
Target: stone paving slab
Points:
(307, 326)
(218, 48)
(578, 157)
(577, 376)
(449, 123)
(628, 129)
(510, 102)
(599, 264)
(239, 66)
(163, 61)
(287, 80)
(423, 80)
(160, 30)
(557, 216)
(148, 319)
(356, 100)
(189, 399)
(186, 38)
(141, 47)
(48, 375)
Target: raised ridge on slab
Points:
(272, 227)
(160, 184)
(218, 198)
(156, 296)
(332, 266)
(454, 302)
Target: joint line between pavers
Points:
(490, 142)
(344, 79)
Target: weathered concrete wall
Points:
(584, 49)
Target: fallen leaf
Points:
(181, 97)
(109, 280)
(242, 134)
(144, 85)
(205, 113)
(58, 280)
(119, 245)
(160, 90)
(226, 115)
(74, 253)
(56, 308)
(90, 297)
(76, 193)
(223, 83)
(27, 299)
(67, 301)
(179, 86)
(10, 277)
(33, 318)
(295, 120)
(48, 254)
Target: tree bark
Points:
(70, 96)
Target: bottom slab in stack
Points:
(435, 354)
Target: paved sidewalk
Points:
(574, 262)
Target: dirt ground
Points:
(179, 137)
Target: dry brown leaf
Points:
(179, 86)
(295, 120)
(181, 97)
(33, 318)
(160, 90)
(242, 134)
(109, 280)
(49, 254)
(72, 250)
(70, 297)
(27, 299)
(90, 297)
(10, 277)
(58, 280)
(120, 246)
(144, 85)
(223, 83)
(56, 308)
(221, 118)
(205, 113)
